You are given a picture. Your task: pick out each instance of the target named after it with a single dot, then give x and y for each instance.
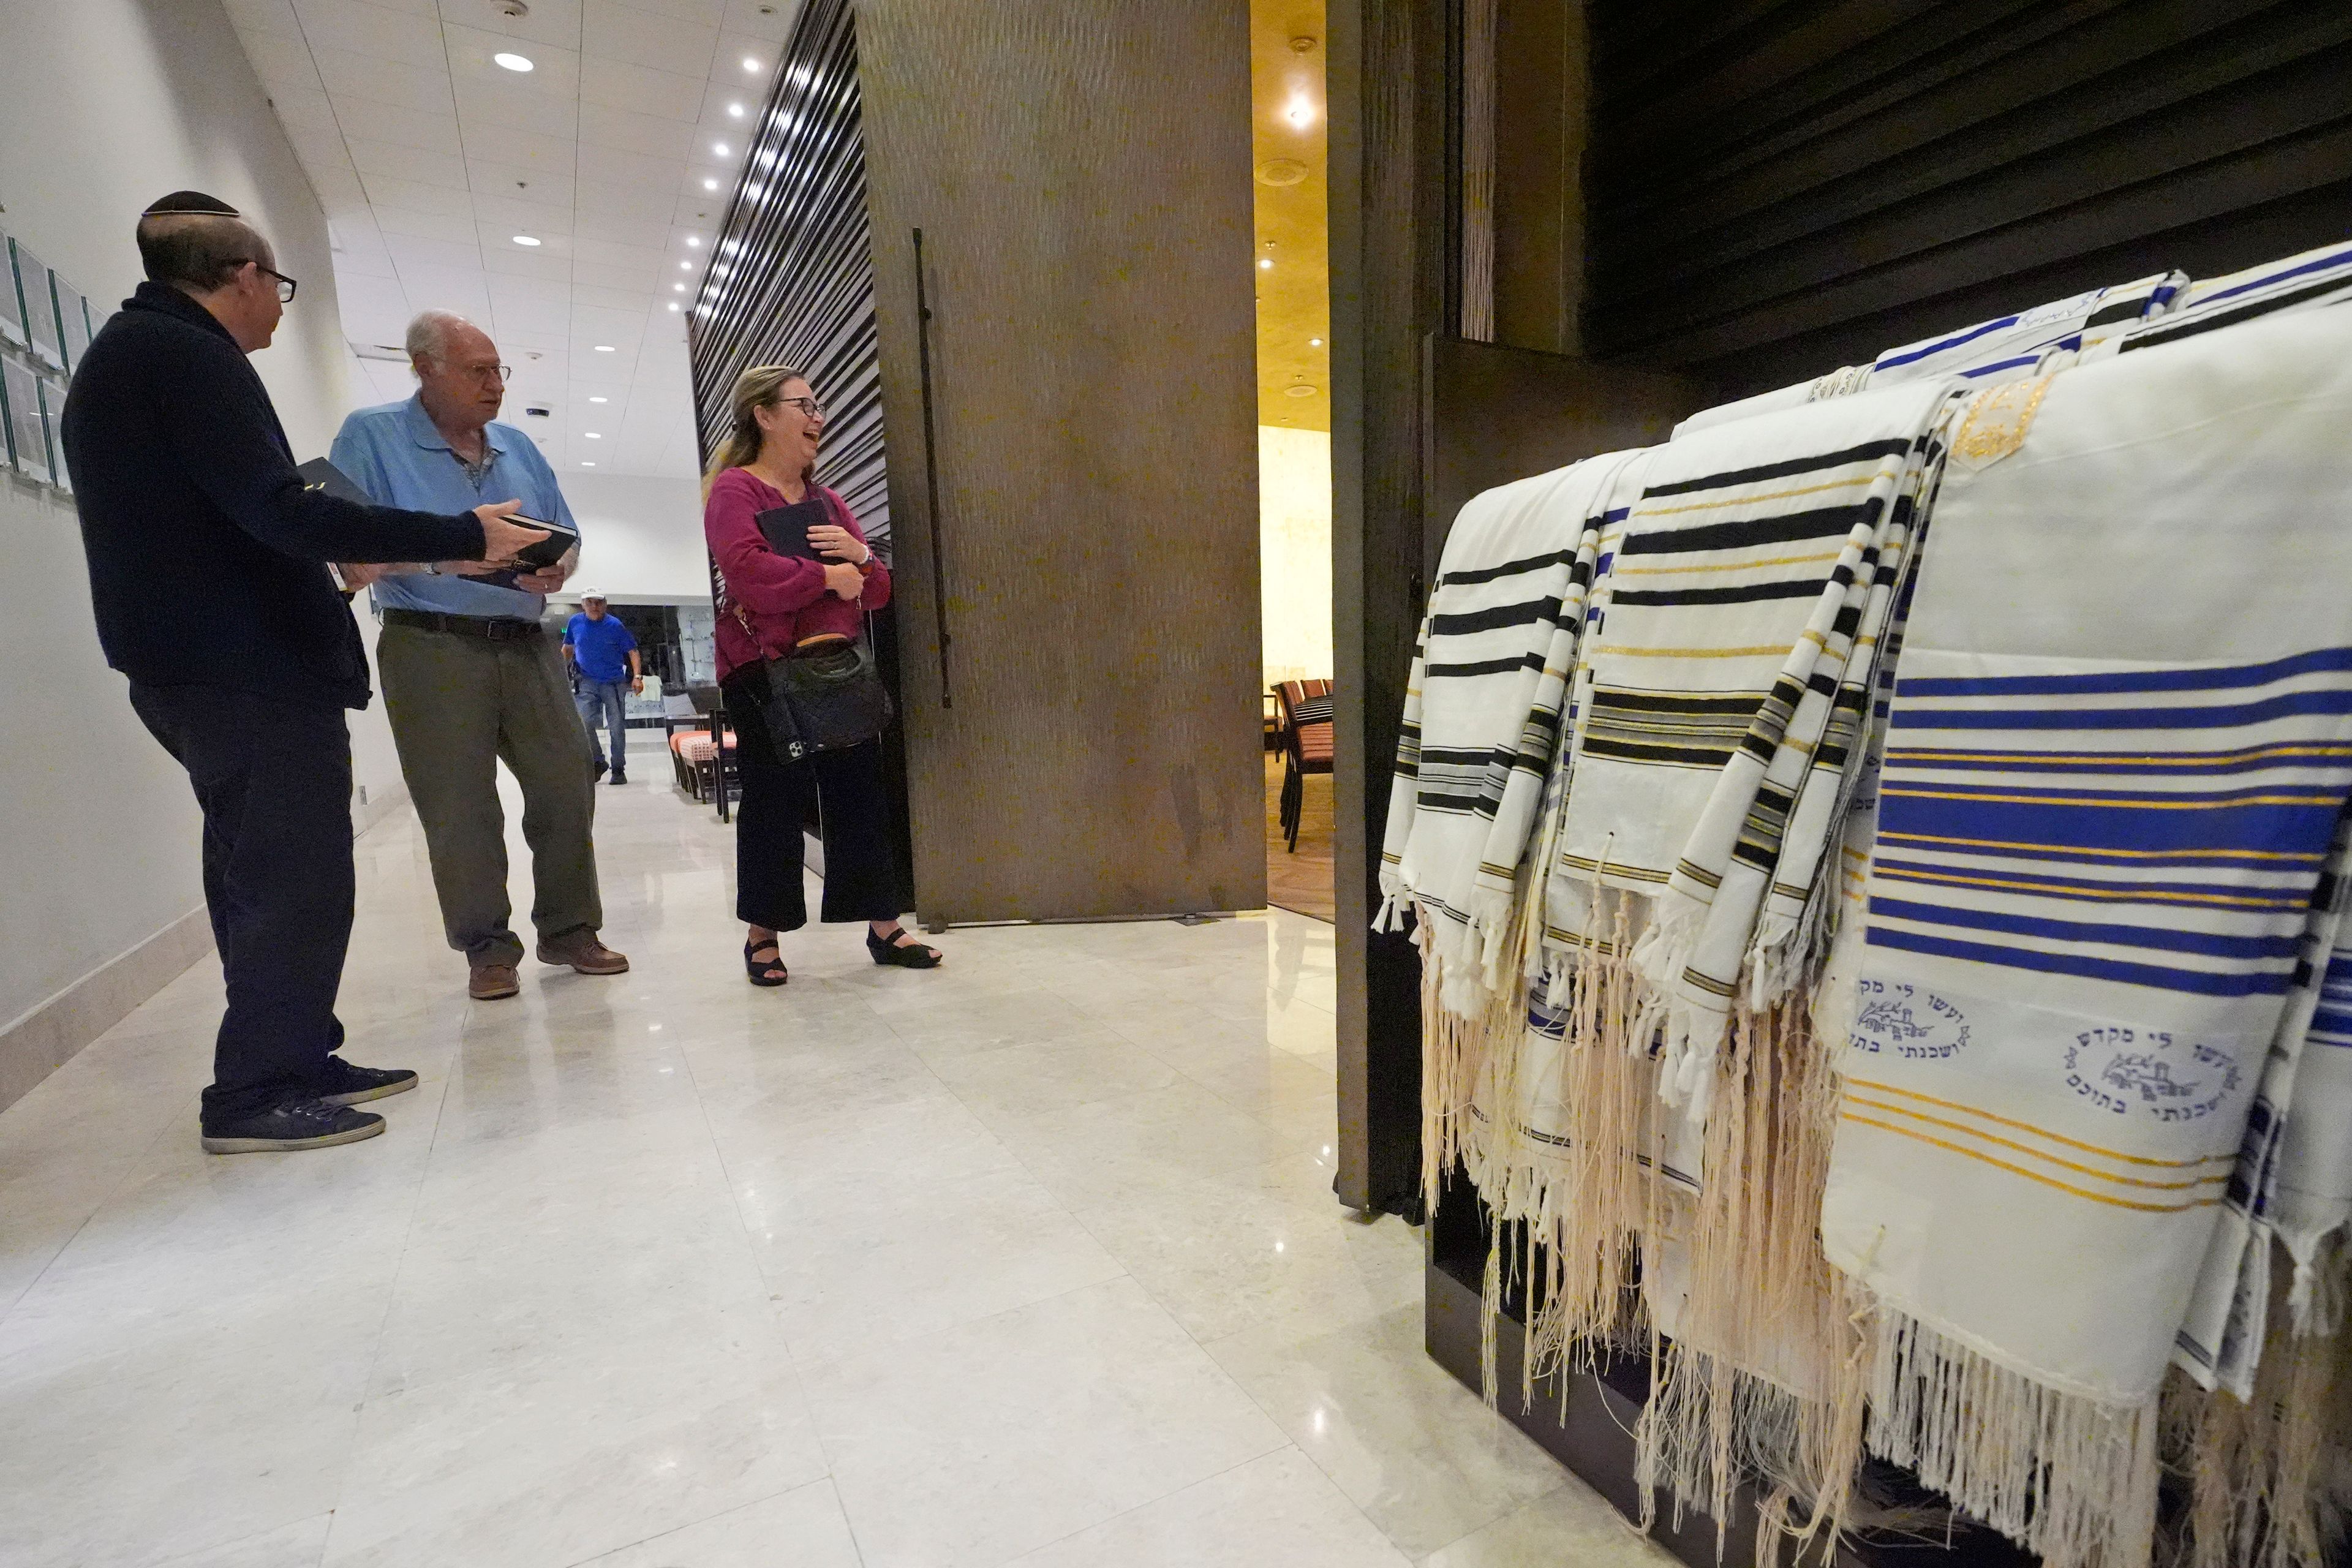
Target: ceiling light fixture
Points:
(749, 64)
(694, 239)
(709, 185)
(604, 348)
(673, 304)
(600, 400)
(526, 239)
(735, 110)
(686, 267)
(720, 148)
(1315, 342)
(587, 463)
(513, 62)
(1300, 112)
(1264, 262)
(593, 435)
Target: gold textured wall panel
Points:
(1081, 176)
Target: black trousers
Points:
(863, 881)
(274, 780)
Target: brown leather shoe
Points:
(581, 951)
(489, 982)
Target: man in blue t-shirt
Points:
(604, 657)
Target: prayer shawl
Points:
(1483, 711)
(1755, 909)
(2008, 347)
(2011, 347)
(2221, 1344)
(2316, 278)
(1730, 586)
(2121, 735)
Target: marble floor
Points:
(1030, 1261)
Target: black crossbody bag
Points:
(826, 697)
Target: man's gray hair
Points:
(428, 334)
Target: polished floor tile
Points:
(1031, 1259)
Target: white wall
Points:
(104, 106)
(1294, 471)
(640, 537)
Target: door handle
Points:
(931, 470)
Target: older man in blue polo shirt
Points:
(469, 676)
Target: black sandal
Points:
(908, 954)
(765, 971)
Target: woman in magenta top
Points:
(769, 605)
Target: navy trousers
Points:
(274, 780)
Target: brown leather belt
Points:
(494, 628)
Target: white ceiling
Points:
(430, 159)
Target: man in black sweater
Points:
(209, 571)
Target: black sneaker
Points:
(619, 777)
(298, 1124)
(601, 767)
(343, 1084)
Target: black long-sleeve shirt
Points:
(207, 553)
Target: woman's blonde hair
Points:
(762, 387)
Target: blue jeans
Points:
(606, 698)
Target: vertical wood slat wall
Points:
(791, 274)
(1777, 187)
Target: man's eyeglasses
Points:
(285, 286)
(808, 405)
(486, 372)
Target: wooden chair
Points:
(1304, 708)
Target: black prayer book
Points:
(785, 527)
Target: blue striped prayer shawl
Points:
(2119, 751)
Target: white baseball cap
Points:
(588, 594)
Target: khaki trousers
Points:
(459, 705)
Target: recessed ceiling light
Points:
(749, 64)
(600, 400)
(673, 304)
(686, 267)
(587, 463)
(594, 436)
(1265, 261)
(1315, 342)
(513, 62)
(678, 288)
(1300, 111)
(735, 110)
(604, 348)
(525, 239)
(709, 185)
(694, 239)
(720, 148)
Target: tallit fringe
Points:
(1769, 1379)
(2322, 1282)
(2265, 1477)
(2071, 1479)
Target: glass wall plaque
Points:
(28, 435)
(11, 313)
(53, 410)
(73, 320)
(35, 306)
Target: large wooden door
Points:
(1086, 740)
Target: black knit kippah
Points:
(191, 202)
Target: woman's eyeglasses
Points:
(808, 405)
